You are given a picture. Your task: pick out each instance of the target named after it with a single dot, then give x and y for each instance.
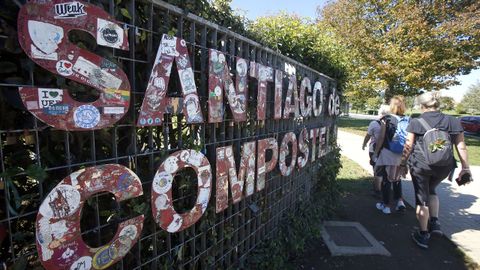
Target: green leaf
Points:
(125, 13)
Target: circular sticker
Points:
(64, 67)
(162, 182)
(184, 155)
(86, 116)
(162, 202)
(171, 164)
(242, 67)
(109, 34)
(82, 263)
(61, 202)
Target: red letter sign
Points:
(59, 240)
(162, 199)
(219, 79)
(264, 75)
(43, 34)
(155, 102)
(226, 173)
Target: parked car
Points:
(471, 123)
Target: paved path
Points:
(459, 206)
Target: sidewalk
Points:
(459, 206)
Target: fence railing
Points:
(35, 157)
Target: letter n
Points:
(219, 80)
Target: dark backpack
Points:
(437, 147)
(396, 132)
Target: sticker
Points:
(86, 116)
(175, 224)
(69, 10)
(128, 234)
(45, 36)
(109, 34)
(48, 97)
(192, 105)
(159, 82)
(64, 68)
(113, 110)
(57, 109)
(67, 254)
(242, 67)
(95, 75)
(108, 65)
(162, 182)
(168, 45)
(61, 202)
(162, 202)
(104, 257)
(187, 80)
(83, 263)
(37, 54)
(171, 164)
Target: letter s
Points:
(43, 35)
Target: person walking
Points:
(389, 151)
(429, 154)
(373, 133)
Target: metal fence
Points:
(29, 149)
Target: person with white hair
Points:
(373, 133)
(428, 152)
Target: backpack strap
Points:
(424, 124)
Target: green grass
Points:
(352, 177)
(359, 127)
(356, 126)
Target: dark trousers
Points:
(387, 186)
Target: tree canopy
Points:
(403, 46)
(471, 99)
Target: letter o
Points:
(162, 199)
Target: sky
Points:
(307, 8)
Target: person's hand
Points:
(463, 172)
(363, 147)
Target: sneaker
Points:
(400, 206)
(420, 239)
(434, 228)
(382, 207)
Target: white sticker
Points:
(49, 96)
(37, 54)
(113, 110)
(84, 263)
(168, 46)
(162, 182)
(176, 224)
(95, 75)
(61, 202)
(128, 234)
(45, 36)
(188, 81)
(86, 116)
(162, 202)
(69, 10)
(64, 67)
(109, 34)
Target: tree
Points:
(408, 45)
(447, 103)
(305, 41)
(471, 99)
